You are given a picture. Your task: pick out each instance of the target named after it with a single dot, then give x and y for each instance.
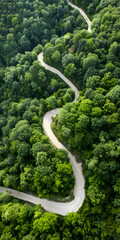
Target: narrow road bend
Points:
(82, 13)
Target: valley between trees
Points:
(89, 128)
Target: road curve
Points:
(82, 13)
(54, 70)
(79, 191)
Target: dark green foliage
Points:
(27, 24)
(27, 159)
(90, 127)
(27, 91)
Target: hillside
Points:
(89, 128)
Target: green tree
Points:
(42, 158)
(70, 70)
(51, 102)
(23, 151)
(114, 94)
(29, 237)
(56, 56)
(85, 107)
(109, 107)
(114, 48)
(90, 61)
(25, 44)
(96, 112)
(65, 175)
(94, 192)
(14, 21)
(93, 82)
(46, 224)
(68, 58)
(65, 131)
(7, 236)
(22, 131)
(10, 181)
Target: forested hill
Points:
(94, 6)
(24, 24)
(90, 128)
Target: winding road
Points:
(82, 13)
(79, 191)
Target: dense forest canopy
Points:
(90, 128)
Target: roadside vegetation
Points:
(90, 127)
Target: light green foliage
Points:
(61, 117)
(95, 195)
(93, 82)
(56, 56)
(110, 67)
(96, 112)
(26, 179)
(109, 107)
(15, 21)
(29, 237)
(6, 236)
(90, 61)
(85, 107)
(108, 81)
(10, 213)
(18, 217)
(51, 102)
(114, 94)
(10, 181)
(41, 158)
(46, 224)
(65, 132)
(70, 70)
(46, 181)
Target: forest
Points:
(89, 128)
